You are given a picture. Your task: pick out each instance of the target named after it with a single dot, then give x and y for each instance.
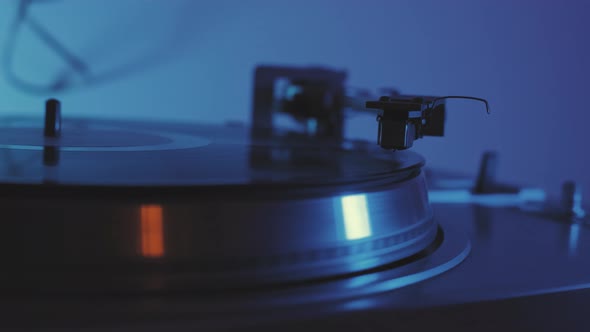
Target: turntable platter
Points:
(119, 206)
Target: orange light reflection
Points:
(152, 231)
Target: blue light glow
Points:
(526, 195)
(356, 217)
(360, 304)
(362, 281)
(574, 235)
(400, 282)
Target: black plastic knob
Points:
(486, 179)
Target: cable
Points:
(74, 62)
(75, 67)
(461, 97)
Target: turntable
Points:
(132, 225)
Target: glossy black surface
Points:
(108, 153)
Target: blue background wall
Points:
(182, 59)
